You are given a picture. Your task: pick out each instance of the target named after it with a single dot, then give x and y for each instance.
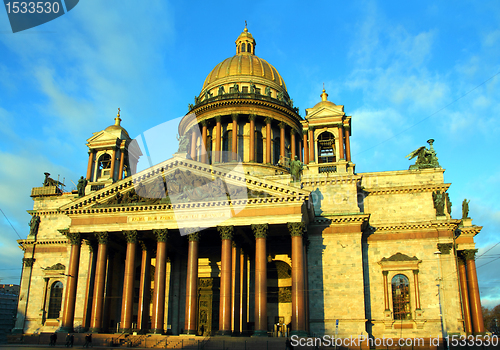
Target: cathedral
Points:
(259, 225)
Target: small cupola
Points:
(245, 44)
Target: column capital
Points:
(203, 123)
(90, 245)
(310, 128)
(218, 118)
(74, 238)
(161, 234)
(234, 116)
(305, 131)
(252, 117)
(282, 125)
(91, 151)
(194, 237)
(295, 228)
(445, 248)
(102, 237)
(28, 262)
(268, 120)
(226, 232)
(468, 254)
(385, 273)
(144, 245)
(130, 236)
(260, 230)
(415, 272)
(192, 231)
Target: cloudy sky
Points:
(405, 71)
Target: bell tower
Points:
(113, 155)
(326, 133)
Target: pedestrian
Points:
(71, 341)
(68, 340)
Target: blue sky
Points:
(405, 71)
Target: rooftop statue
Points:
(465, 209)
(50, 182)
(296, 168)
(82, 183)
(426, 157)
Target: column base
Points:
(125, 330)
(94, 330)
(300, 334)
(190, 332)
(65, 330)
(156, 331)
(225, 333)
(260, 334)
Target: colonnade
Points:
(199, 141)
(471, 302)
(230, 282)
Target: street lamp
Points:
(441, 307)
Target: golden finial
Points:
(324, 95)
(246, 29)
(117, 119)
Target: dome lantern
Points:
(245, 44)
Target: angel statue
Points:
(426, 157)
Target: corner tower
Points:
(112, 156)
(326, 133)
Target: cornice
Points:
(333, 180)
(195, 205)
(340, 219)
(237, 101)
(430, 225)
(406, 189)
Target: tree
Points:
(491, 318)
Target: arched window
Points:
(326, 152)
(243, 47)
(55, 300)
(249, 48)
(104, 165)
(259, 147)
(227, 146)
(401, 297)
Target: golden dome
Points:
(116, 129)
(244, 67)
(324, 101)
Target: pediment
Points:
(326, 111)
(180, 182)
